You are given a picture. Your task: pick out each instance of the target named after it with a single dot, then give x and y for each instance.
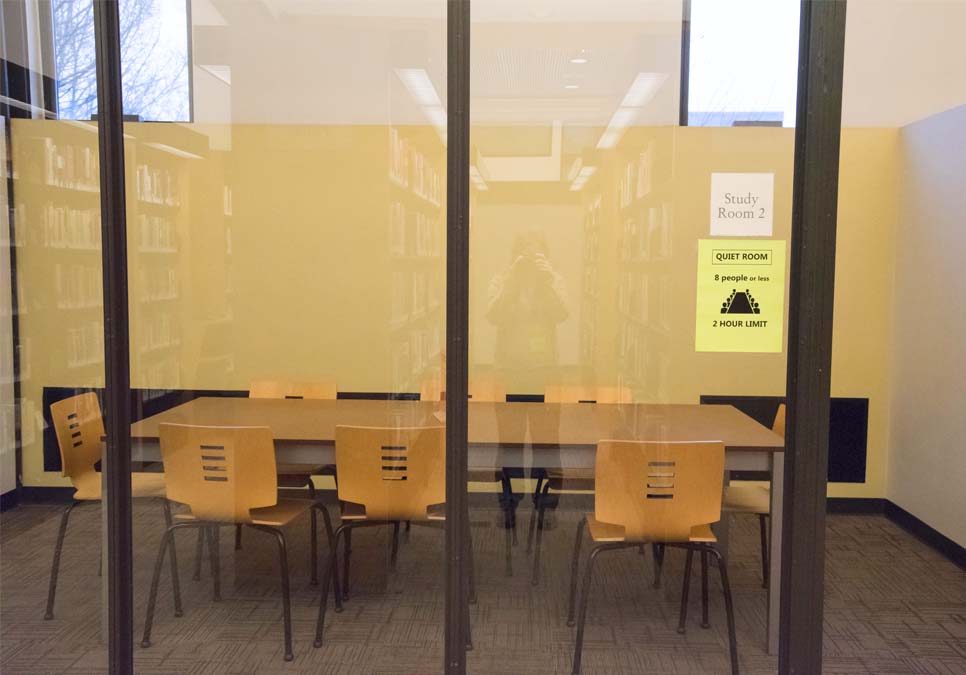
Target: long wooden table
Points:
(503, 435)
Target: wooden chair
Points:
(485, 390)
(387, 475)
(654, 492)
(293, 474)
(756, 499)
(226, 476)
(79, 427)
(290, 474)
(558, 479)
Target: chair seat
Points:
(570, 479)
(747, 499)
(357, 512)
(279, 515)
(604, 532)
(143, 485)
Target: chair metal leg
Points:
(310, 484)
(658, 551)
(471, 568)
(509, 533)
(214, 558)
(199, 554)
(330, 537)
(326, 580)
(686, 585)
(238, 537)
(729, 608)
(584, 597)
(346, 555)
(535, 575)
(763, 529)
(286, 594)
(394, 550)
(155, 579)
(175, 579)
(533, 514)
(704, 589)
(574, 566)
(55, 566)
(314, 546)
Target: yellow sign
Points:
(741, 295)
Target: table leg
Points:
(721, 528)
(775, 549)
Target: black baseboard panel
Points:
(926, 533)
(855, 505)
(46, 495)
(10, 499)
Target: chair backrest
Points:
(658, 491)
(485, 390)
(276, 389)
(396, 473)
(577, 393)
(221, 473)
(79, 427)
(778, 426)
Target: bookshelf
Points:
(416, 247)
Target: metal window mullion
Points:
(812, 281)
(117, 456)
(457, 329)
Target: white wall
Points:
(903, 61)
(927, 472)
(8, 462)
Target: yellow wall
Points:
(301, 276)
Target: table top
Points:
(551, 425)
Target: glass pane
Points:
(743, 63)
(627, 283)
(154, 55)
(287, 278)
(51, 393)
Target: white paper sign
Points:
(742, 204)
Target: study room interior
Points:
(289, 312)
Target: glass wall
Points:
(286, 182)
(624, 271)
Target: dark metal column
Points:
(814, 211)
(457, 328)
(117, 459)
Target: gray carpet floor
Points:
(892, 605)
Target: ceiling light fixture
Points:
(579, 60)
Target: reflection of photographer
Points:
(526, 302)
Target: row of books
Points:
(78, 286)
(159, 377)
(156, 185)
(414, 354)
(71, 166)
(644, 362)
(645, 300)
(158, 332)
(413, 233)
(85, 345)
(156, 233)
(648, 236)
(414, 294)
(637, 179)
(66, 227)
(410, 168)
(157, 284)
